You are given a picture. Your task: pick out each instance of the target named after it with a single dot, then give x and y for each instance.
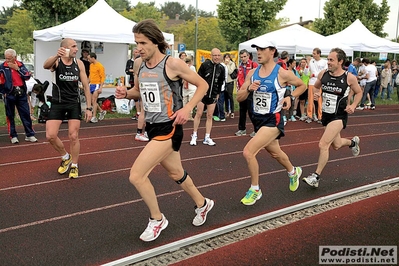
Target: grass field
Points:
(117, 115)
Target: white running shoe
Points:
(31, 139)
(141, 137)
(209, 141)
(202, 212)
(356, 149)
(14, 140)
(312, 180)
(94, 120)
(102, 115)
(154, 229)
(193, 141)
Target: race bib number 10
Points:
(150, 96)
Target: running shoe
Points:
(303, 118)
(252, 134)
(312, 180)
(202, 212)
(102, 115)
(241, 133)
(209, 141)
(193, 141)
(64, 167)
(141, 137)
(154, 229)
(14, 140)
(251, 197)
(215, 118)
(31, 139)
(292, 119)
(359, 108)
(74, 172)
(94, 120)
(308, 120)
(294, 179)
(356, 149)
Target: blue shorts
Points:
(94, 87)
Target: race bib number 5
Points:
(329, 103)
(149, 92)
(262, 102)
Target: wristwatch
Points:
(89, 109)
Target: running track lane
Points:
(370, 222)
(47, 219)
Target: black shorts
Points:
(327, 118)
(269, 120)
(62, 111)
(206, 100)
(165, 131)
(304, 95)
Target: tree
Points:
(241, 20)
(209, 34)
(119, 5)
(339, 14)
(18, 33)
(171, 9)
(145, 11)
(54, 12)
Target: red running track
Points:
(370, 222)
(47, 219)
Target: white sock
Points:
(292, 172)
(207, 136)
(74, 165)
(255, 187)
(194, 133)
(66, 156)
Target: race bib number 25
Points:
(262, 102)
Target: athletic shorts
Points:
(269, 120)
(206, 100)
(165, 131)
(327, 118)
(62, 111)
(94, 87)
(304, 95)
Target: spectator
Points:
(304, 73)
(316, 65)
(97, 79)
(229, 87)
(189, 89)
(386, 81)
(84, 58)
(245, 66)
(371, 81)
(13, 77)
(214, 74)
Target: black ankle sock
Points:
(352, 144)
(139, 131)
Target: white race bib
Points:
(262, 102)
(329, 103)
(149, 92)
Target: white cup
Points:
(67, 52)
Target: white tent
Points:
(296, 39)
(100, 23)
(361, 39)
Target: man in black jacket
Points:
(214, 74)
